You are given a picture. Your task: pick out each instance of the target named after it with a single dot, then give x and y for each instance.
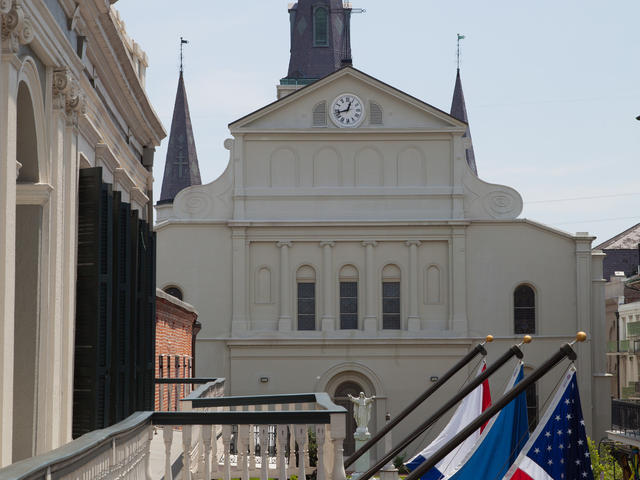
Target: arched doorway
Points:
(27, 283)
(341, 398)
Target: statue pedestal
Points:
(362, 464)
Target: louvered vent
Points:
(375, 114)
(320, 115)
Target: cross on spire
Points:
(460, 37)
(182, 42)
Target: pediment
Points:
(399, 111)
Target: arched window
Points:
(349, 298)
(524, 309)
(320, 115)
(391, 298)
(375, 114)
(306, 280)
(320, 27)
(174, 291)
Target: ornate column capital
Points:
(410, 243)
(16, 26)
(67, 93)
(284, 243)
(369, 243)
(327, 243)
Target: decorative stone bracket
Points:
(67, 92)
(16, 26)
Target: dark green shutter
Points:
(92, 360)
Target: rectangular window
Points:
(391, 305)
(306, 306)
(348, 305)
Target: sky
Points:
(552, 87)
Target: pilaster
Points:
(328, 289)
(413, 319)
(583, 319)
(370, 283)
(459, 322)
(285, 319)
(239, 321)
(9, 65)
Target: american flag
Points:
(558, 449)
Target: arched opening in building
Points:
(27, 283)
(341, 397)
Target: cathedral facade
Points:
(350, 245)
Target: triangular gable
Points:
(627, 240)
(443, 119)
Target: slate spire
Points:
(181, 169)
(320, 40)
(459, 112)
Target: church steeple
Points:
(320, 40)
(459, 111)
(181, 169)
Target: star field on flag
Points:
(558, 449)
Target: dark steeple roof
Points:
(181, 169)
(459, 112)
(316, 51)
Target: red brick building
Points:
(176, 330)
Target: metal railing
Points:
(171, 391)
(620, 346)
(633, 329)
(625, 417)
(123, 451)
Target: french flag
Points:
(558, 448)
(500, 442)
(469, 409)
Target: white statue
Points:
(362, 411)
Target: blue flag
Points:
(500, 443)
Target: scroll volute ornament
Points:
(16, 26)
(68, 92)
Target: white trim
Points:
(568, 375)
(535, 471)
(33, 193)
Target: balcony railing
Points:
(171, 391)
(625, 418)
(620, 346)
(633, 329)
(268, 430)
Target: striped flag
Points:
(501, 441)
(558, 449)
(469, 409)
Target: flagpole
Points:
(478, 349)
(514, 351)
(565, 352)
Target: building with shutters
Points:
(77, 254)
(351, 245)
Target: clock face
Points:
(347, 110)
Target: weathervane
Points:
(182, 42)
(460, 37)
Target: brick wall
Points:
(175, 327)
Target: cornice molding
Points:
(138, 196)
(33, 193)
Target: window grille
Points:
(391, 305)
(524, 309)
(320, 115)
(348, 305)
(375, 114)
(320, 27)
(306, 278)
(174, 291)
